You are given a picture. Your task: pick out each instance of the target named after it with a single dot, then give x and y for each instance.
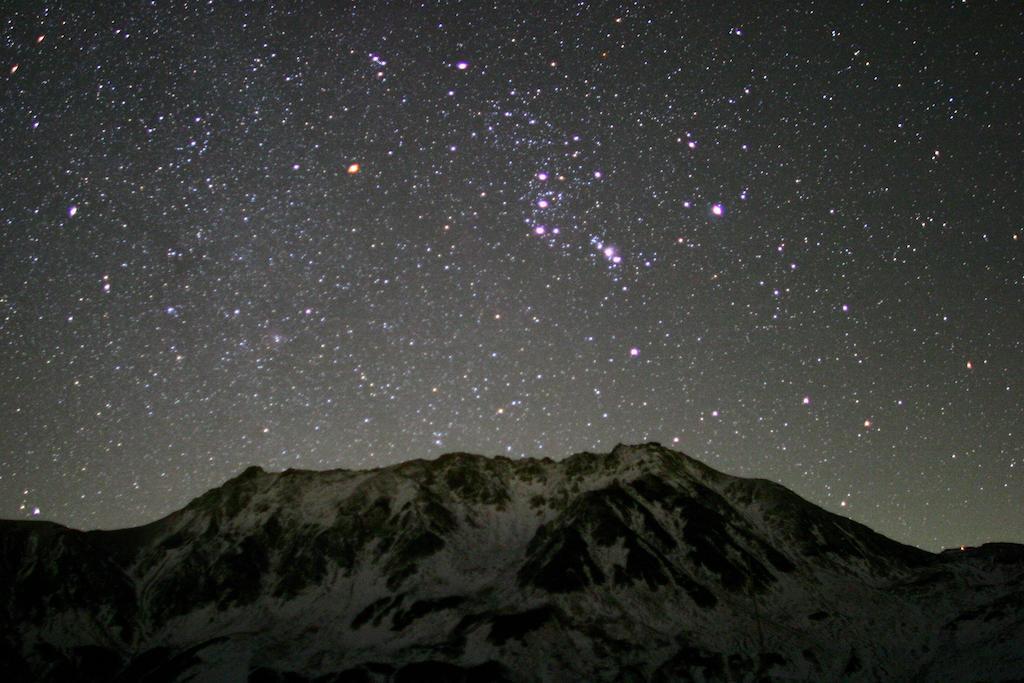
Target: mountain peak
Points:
(640, 563)
(622, 457)
(251, 472)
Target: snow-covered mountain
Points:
(638, 565)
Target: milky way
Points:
(784, 238)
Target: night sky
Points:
(784, 238)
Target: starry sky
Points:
(784, 238)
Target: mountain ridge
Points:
(637, 564)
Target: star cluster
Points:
(783, 238)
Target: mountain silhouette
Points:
(642, 564)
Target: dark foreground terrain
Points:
(638, 565)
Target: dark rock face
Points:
(639, 565)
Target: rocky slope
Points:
(641, 564)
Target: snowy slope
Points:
(642, 564)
